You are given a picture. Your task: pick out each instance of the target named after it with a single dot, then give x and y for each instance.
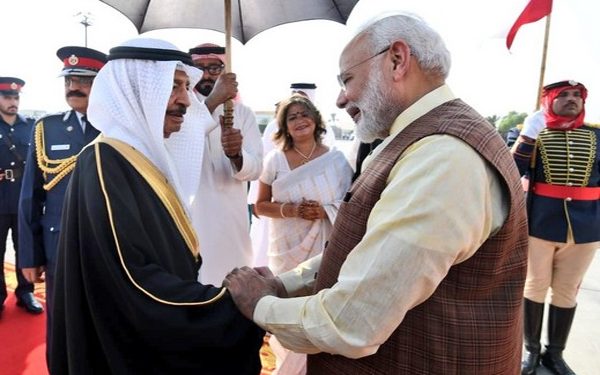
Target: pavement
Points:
(583, 348)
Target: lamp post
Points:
(86, 21)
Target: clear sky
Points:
(484, 73)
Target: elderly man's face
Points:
(178, 103)
(77, 92)
(364, 94)
(211, 70)
(568, 103)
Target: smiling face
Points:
(353, 79)
(300, 122)
(298, 119)
(178, 103)
(365, 94)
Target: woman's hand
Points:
(311, 210)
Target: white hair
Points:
(426, 45)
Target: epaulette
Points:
(59, 113)
(55, 114)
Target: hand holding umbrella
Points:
(225, 88)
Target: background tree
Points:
(510, 121)
(492, 119)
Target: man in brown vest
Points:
(424, 270)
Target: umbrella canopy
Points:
(248, 17)
(242, 19)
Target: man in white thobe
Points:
(232, 158)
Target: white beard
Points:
(376, 110)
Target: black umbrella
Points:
(248, 17)
(243, 19)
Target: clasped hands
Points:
(310, 210)
(248, 285)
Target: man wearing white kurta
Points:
(232, 158)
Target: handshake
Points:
(248, 285)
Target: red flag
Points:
(534, 11)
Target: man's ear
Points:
(400, 54)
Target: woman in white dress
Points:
(301, 187)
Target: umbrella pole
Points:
(228, 110)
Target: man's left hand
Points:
(247, 287)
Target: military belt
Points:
(10, 175)
(580, 193)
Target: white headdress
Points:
(129, 100)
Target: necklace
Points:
(306, 157)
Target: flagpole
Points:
(543, 65)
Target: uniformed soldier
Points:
(513, 134)
(560, 154)
(56, 141)
(15, 133)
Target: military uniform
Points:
(560, 155)
(15, 134)
(565, 196)
(56, 141)
(14, 141)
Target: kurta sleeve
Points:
(398, 263)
